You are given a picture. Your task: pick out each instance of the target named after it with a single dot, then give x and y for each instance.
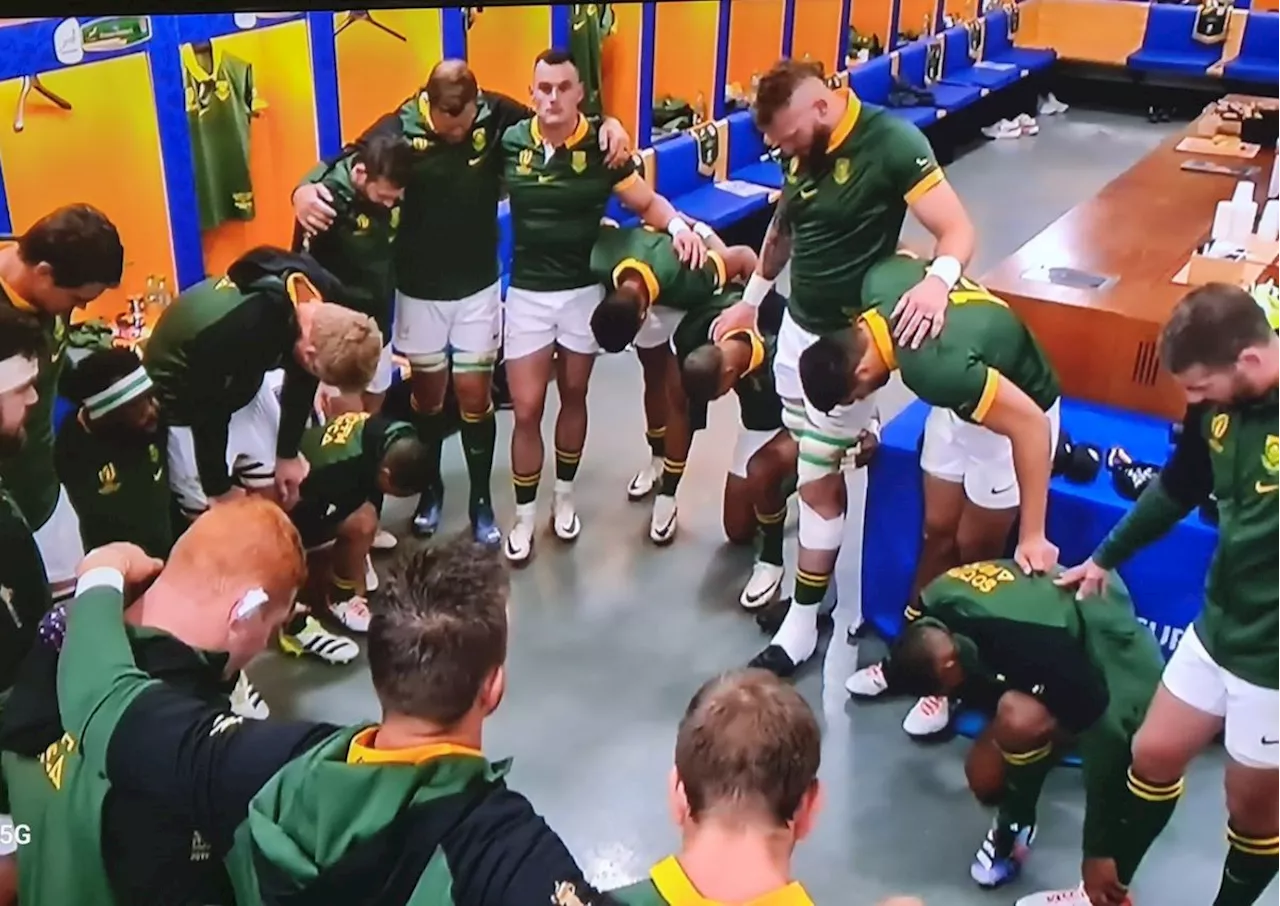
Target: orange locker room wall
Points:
(282, 139)
(684, 51)
(963, 10)
(376, 72)
(502, 43)
(912, 16)
(816, 32)
(105, 151)
(620, 67)
(755, 38)
(873, 17)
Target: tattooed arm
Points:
(775, 251)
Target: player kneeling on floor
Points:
(763, 471)
(355, 460)
(1066, 674)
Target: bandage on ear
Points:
(253, 599)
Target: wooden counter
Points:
(1138, 231)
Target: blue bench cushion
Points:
(999, 48)
(911, 66)
(955, 58)
(987, 74)
(1259, 58)
(955, 97)
(616, 212)
(746, 144)
(917, 116)
(767, 173)
(1249, 71)
(872, 80)
(1169, 44)
(718, 208)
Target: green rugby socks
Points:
(1148, 809)
(1250, 865)
(479, 436)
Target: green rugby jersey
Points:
(1232, 452)
(759, 406)
(446, 246)
(848, 216)
(556, 204)
(119, 488)
(668, 885)
(30, 474)
(981, 339)
(589, 25)
(219, 106)
(24, 592)
(652, 255)
(357, 247)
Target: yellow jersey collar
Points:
(361, 751)
(757, 346)
(192, 63)
(579, 132)
(424, 110)
(847, 122)
(301, 289)
(646, 274)
(881, 338)
(16, 300)
(676, 888)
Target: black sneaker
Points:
(426, 518)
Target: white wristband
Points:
(100, 577)
(757, 288)
(703, 230)
(676, 227)
(946, 269)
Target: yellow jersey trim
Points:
(191, 62)
(361, 751)
(881, 338)
(19, 303)
(424, 110)
(675, 887)
(301, 289)
(626, 182)
(757, 347)
(722, 270)
(988, 398)
(646, 274)
(579, 132)
(847, 122)
(927, 182)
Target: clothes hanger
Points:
(29, 82)
(363, 15)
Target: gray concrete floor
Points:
(612, 636)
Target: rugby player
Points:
(852, 171)
(1223, 675)
(448, 295)
(63, 262)
(560, 183)
(648, 290)
(1063, 675)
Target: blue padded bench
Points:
(679, 181)
(912, 60)
(1169, 45)
(959, 69)
(506, 240)
(871, 81)
(1259, 58)
(999, 48)
(749, 159)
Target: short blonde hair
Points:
(348, 345)
(249, 538)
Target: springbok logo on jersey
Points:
(478, 139)
(420, 144)
(524, 163)
(1271, 454)
(108, 479)
(362, 222)
(578, 161)
(1218, 427)
(843, 170)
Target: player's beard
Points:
(816, 159)
(11, 444)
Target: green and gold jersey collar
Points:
(675, 887)
(191, 63)
(575, 138)
(843, 129)
(881, 337)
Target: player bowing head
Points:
(841, 368)
(381, 168)
(618, 317)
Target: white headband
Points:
(129, 387)
(17, 371)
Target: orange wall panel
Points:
(105, 151)
(684, 51)
(620, 67)
(1095, 31)
(964, 10)
(755, 38)
(502, 44)
(912, 16)
(816, 32)
(873, 17)
(376, 72)
(282, 139)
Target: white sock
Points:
(526, 512)
(563, 487)
(798, 634)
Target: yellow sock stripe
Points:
(526, 481)
(344, 584)
(656, 432)
(1153, 793)
(771, 518)
(1025, 758)
(1253, 846)
(413, 404)
(567, 457)
(675, 468)
(477, 418)
(812, 579)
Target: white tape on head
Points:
(17, 371)
(253, 599)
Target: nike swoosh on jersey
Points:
(1265, 488)
(544, 179)
(806, 194)
(474, 161)
(579, 26)
(922, 161)
(159, 474)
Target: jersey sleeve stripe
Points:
(928, 181)
(646, 274)
(722, 272)
(626, 182)
(988, 397)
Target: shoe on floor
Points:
(384, 541)
(1051, 106)
(484, 527)
(1027, 123)
(929, 715)
(662, 524)
(564, 518)
(1073, 897)
(246, 702)
(313, 639)
(776, 660)
(371, 580)
(352, 613)
(990, 869)
(867, 682)
(1003, 129)
(644, 481)
(766, 579)
(519, 544)
(426, 518)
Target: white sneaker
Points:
(867, 682)
(928, 716)
(352, 613)
(371, 580)
(1073, 897)
(519, 543)
(643, 482)
(246, 702)
(762, 587)
(1003, 129)
(564, 518)
(662, 525)
(315, 640)
(384, 541)
(1051, 106)
(1027, 123)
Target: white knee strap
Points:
(818, 533)
(428, 362)
(473, 362)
